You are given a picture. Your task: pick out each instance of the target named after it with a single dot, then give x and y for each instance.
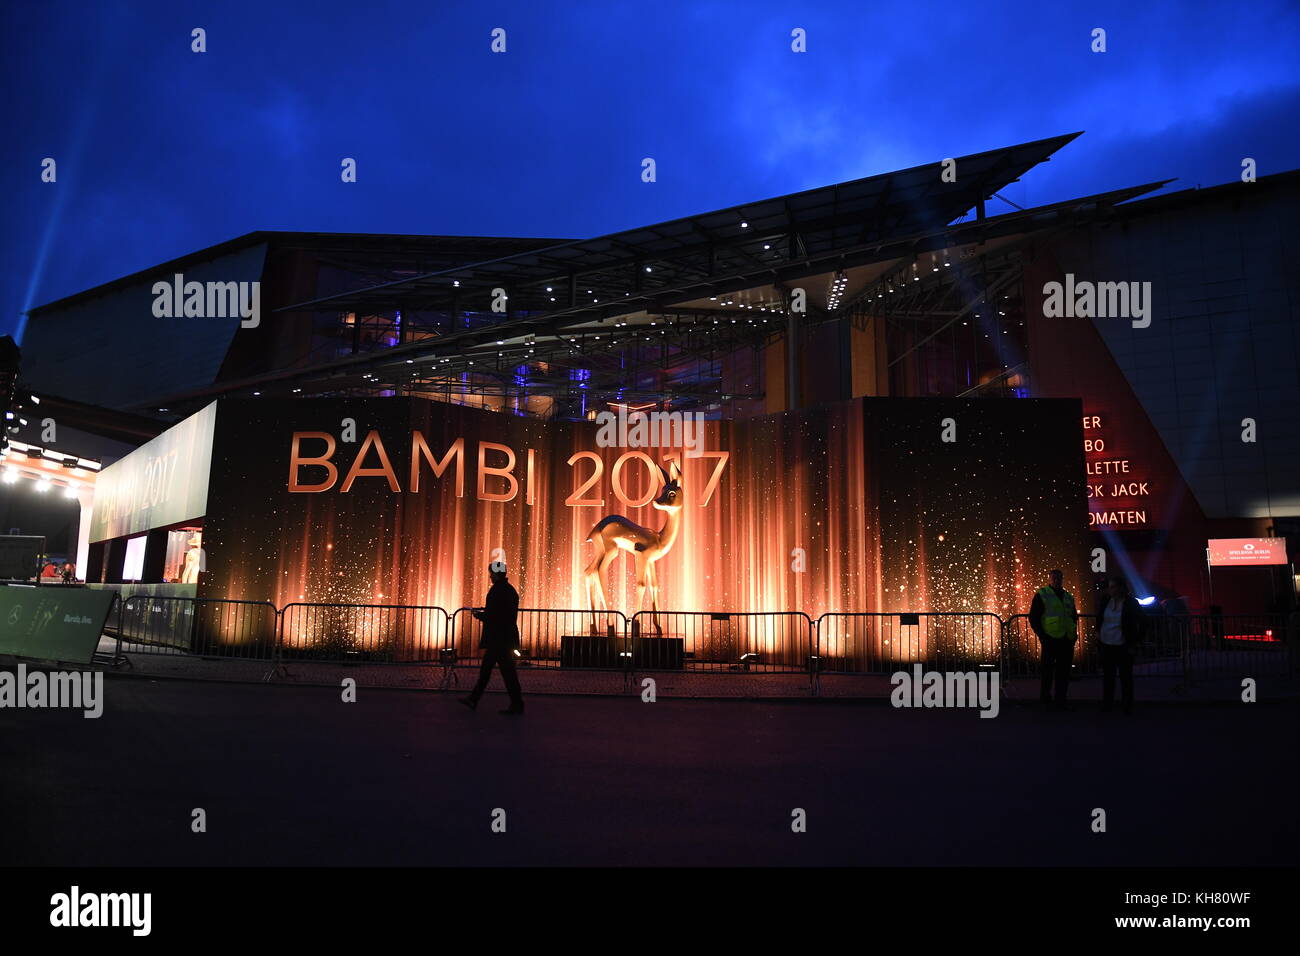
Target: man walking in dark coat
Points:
(499, 641)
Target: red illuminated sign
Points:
(1117, 494)
(1229, 551)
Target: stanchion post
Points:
(277, 634)
(814, 659)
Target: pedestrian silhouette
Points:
(500, 639)
(1122, 624)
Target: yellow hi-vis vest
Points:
(1058, 613)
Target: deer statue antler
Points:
(615, 532)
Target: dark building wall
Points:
(1069, 359)
(1224, 339)
(111, 350)
(284, 339)
(1171, 397)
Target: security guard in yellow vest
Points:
(1055, 620)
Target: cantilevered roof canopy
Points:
(648, 312)
(659, 265)
(648, 354)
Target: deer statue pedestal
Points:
(658, 653)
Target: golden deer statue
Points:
(614, 533)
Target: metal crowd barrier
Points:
(203, 627)
(1187, 647)
(555, 638)
(1022, 652)
(877, 643)
(1232, 645)
(381, 633)
(114, 658)
(741, 642)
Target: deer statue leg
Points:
(605, 562)
(654, 598)
(595, 577)
(642, 580)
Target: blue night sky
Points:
(162, 151)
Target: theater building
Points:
(1169, 321)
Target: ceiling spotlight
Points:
(744, 225)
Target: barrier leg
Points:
(278, 669)
(449, 677)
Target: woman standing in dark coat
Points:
(1122, 623)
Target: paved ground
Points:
(1212, 679)
(291, 775)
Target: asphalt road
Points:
(292, 775)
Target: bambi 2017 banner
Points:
(855, 506)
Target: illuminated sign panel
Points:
(1118, 490)
(133, 566)
(849, 506)
(1239, 551)
(53, 624)
(160, 483)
